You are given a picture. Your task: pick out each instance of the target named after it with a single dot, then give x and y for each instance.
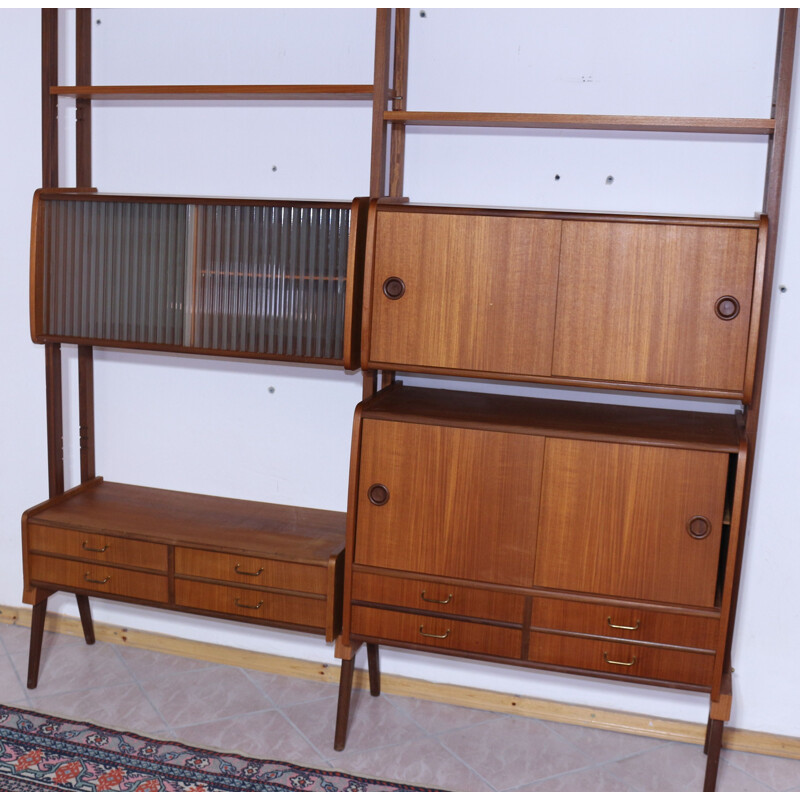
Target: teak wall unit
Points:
(276, 280)
(582, 538)
(593, 539)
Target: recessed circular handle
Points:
(727, 307)
(699, 527)
(378, 494)
(394, 288)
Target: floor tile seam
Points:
(228, 718)
(658, 745)
(767, 787)
(263, 692)
(149, 700)
(22, 683)
(305, 738)
(587, 768)
(408, 716)
(468, 766)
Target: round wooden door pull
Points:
(699, 527)
(394, 288)
(727, 307)
(378, 494)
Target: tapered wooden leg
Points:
(713, 747)
(86, 618)
(373, 662)
(37, 633)
(343, 709)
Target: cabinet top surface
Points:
(195, 520)
(564, 419)
(393, 207)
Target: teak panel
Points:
(289, 533)
(614, 521)
(98, 579)
(437, 597)
(636, 303)
(625, 622)
(447, 634)
(480, 292)
(462, 503)
(97, 547)
(247, 570)
(252, 603)
(636, 661)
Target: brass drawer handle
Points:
(93, 580)
(432, 600)
(239, 571)
(243, 605)
(434, 635)
(619, 663)
(623, 627)
(85, 546)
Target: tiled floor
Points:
(390, 737)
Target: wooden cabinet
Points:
(570, 536)
(255, 562)
(652, 303)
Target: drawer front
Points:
(622, 658)
(447, 634)
(252, 603)
(615, 520)
(250, 571)
(97, 547)
(98, 578)
(434, 596)
(683, 630)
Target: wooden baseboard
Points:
(674, 730)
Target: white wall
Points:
(212, 425)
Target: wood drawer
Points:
(251, 603)
(433, 596)
(98, 579)
(447, 634)
(683, 630)
(97, 547)
(251, 571)
(635, 661)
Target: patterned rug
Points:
(40, 753)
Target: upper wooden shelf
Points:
(199, 92)
(585, 122)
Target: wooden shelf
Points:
(219, 92)
(729, 125)
(574, 420)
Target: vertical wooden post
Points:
(86, 411)
(83, 105)
(49, 102)
(55, 424)
(399, 101)
(380, 100)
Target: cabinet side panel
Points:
(637, 303)
(479, 292)
(614, 521)
(461, 503)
